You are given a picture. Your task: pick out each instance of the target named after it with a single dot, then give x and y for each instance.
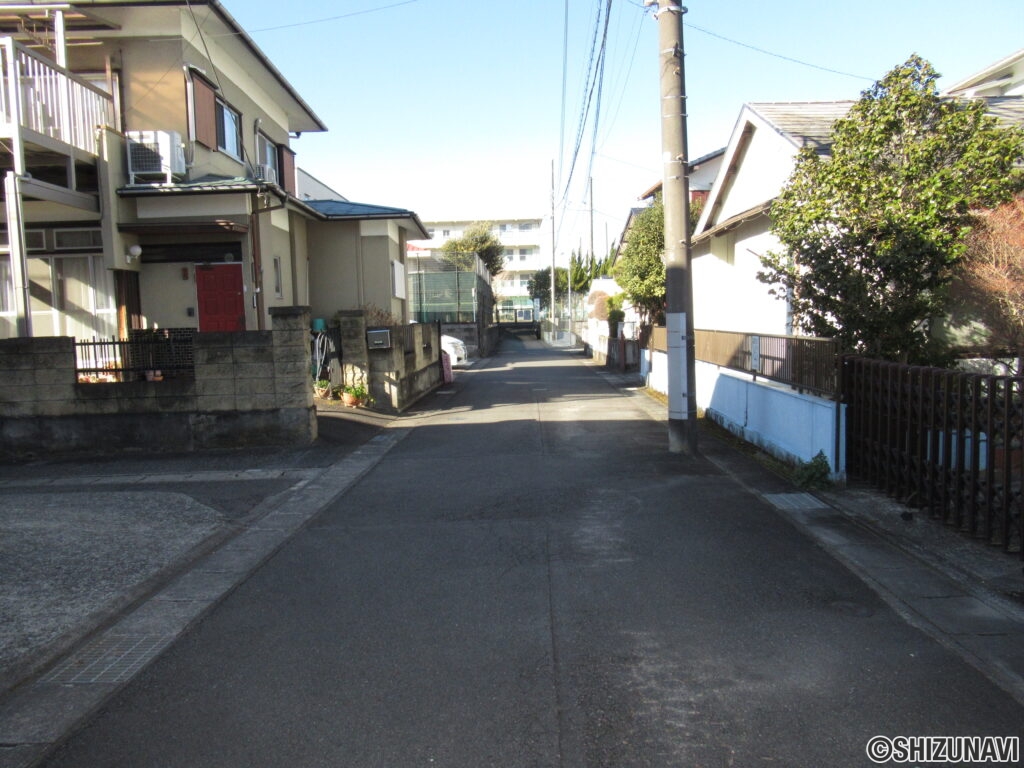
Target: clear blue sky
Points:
(454, 108)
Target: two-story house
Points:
(150, 179)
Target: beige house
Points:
(151, 180)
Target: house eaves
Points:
(306, 118)
(762, 209)
(999, 74)
(207, 185)
(345, 210)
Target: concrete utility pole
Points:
(682, 403)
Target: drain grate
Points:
(108, 659)
(795, 501)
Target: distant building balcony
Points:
(46, 105)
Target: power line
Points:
(777, 55)
(333, 18)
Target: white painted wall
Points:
(789, 425)
(727, 296)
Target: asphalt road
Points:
(529, 579)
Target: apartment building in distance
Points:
(527, 243)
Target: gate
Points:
(946, 441)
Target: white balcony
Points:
(45, 104)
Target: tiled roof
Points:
(810, 123)
(806, 123)
(348, 209)
(1008, 110)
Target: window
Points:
(229, 130)
(77, 238)
(6, 286)
(398, 279)
(278, 285)
(266, 159)
(526, 226)
(523, 253)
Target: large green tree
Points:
(640, 270)
(539, 286)
(873, 233)
(476, 240)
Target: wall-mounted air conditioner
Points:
(155, 155)
(267, 173)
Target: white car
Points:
(456, 349)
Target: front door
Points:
(220, 299)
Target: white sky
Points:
(454, 108)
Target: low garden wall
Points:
(397, 368)
(248, 388)
(787, 424)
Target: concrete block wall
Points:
(398, 376)
(249, 388)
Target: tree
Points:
(477, 240)
(873, 234)
(992, 275)
(539, 285)
(640, 271)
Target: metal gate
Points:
(946, 441)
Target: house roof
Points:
(804, 123)
(341, 210)
(998, 75)
(91, 16)
(1008, 110)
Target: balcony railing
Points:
(40, 96)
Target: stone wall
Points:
(396, 376)
(480, 339)
(250, 388)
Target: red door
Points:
(219, 294)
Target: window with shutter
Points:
(205, 110)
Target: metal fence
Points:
(144, 355)
(946, 441)
(445, 289)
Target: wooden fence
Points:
(806, 363)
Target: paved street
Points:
(519, 574)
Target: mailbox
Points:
(380, 339)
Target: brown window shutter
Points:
(205, 112)
(286, 177)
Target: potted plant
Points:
(355, 394)
(322, 388)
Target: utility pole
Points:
(553, 243)
(682, 403)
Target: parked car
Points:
(456, 349)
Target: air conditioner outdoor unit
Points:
(155, 154)
(267, 173)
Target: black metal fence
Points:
(946, 441)
(151, 355)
